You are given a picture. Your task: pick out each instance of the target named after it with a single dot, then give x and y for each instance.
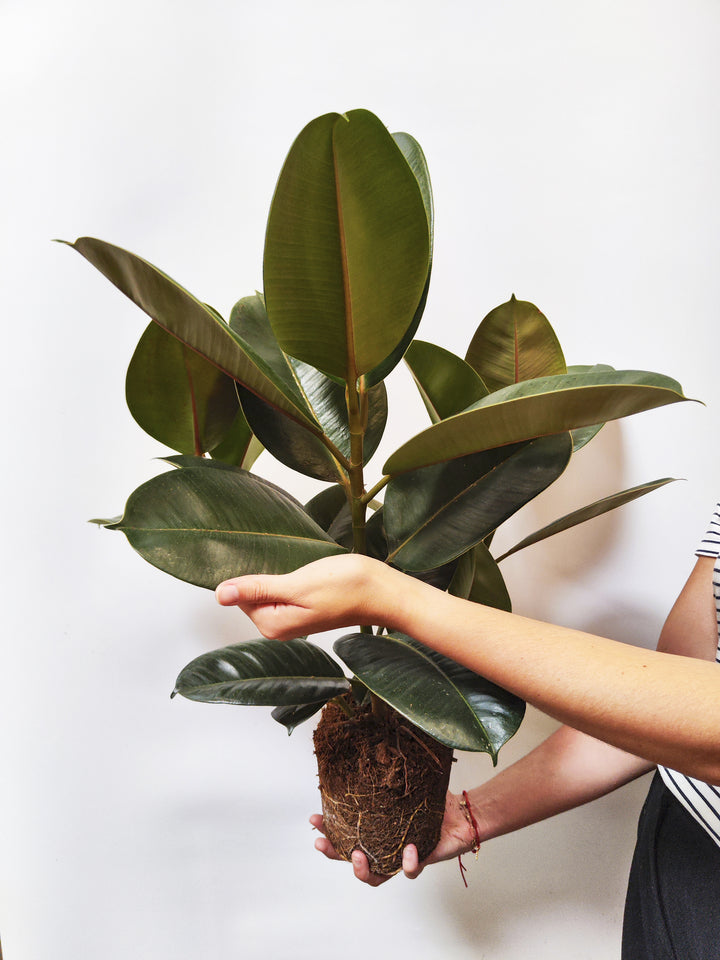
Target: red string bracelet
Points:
(467, 810)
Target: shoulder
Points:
(709, 545)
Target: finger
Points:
(361, 869)
(411, 865)
(227, 594)
(317, 822)
(254, 590)
(326, 848)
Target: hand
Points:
(329, 593)
(456, 837)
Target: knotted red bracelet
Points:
(467, 810)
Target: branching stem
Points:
(372, 493)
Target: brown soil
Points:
(383, 784)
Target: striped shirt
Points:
(702, 800)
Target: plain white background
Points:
(574, 150)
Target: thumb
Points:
(250, 590)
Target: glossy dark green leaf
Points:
(263, 673)
(191, 321)
(289, 441)
(183, 462)
(347, 246)
(462, 578)
(326, 505)
(341, 529)
(437, 513)
(446, 383)
(412, 151)
(177, 396)
(584, 435)
(292, 716)
(440, 577)
(452, 704)
(327, 401)
(478, 579)
(375, 536)
(249, 322)
(589, 512)
(515, 342)
(239, 447)
(535, 408)
(207, 524)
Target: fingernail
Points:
(227, 593)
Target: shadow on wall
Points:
(559, 884)
(556, 884)
(595, 471)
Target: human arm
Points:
(662, 706)
(565, 771)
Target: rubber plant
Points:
(299, 370)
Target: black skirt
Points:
(672, 911)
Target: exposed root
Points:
(378, 796)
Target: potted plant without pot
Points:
(299, 371)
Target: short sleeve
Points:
(709, 546)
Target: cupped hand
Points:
(329, 593)
(456, 837)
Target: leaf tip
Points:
(112, 524)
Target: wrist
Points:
(403, 601)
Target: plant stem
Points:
(370, 495)
(380, 709)
(357, 407)
(344, 706)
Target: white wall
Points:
(574, 149)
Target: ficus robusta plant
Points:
(299, 370)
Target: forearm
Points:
(656, 705)
(659, 706)
(565, 771)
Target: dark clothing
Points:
(672, 911)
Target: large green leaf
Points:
(412, 151)
(589, 512)
(191, 321)
(437, 513)
(347, 246)
(515, 342)
(584, 435)
(207, 524)
(183, 462)
(263, 673)
(478, 579)
(446, 383)
(535, 408)
(250, 324)
(289, 441)
(177, 396)
(452, 704)
(291, 444)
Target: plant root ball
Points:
(383, 784)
